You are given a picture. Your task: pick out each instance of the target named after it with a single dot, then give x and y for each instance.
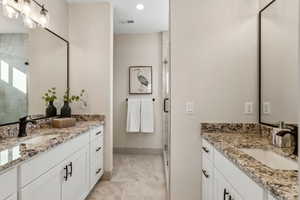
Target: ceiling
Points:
(154, 18)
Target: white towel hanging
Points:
(134, 115)
(147, 116)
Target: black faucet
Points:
(22, 126)
(293, 130)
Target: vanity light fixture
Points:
(140, 6)
(8, 10)
(44, 17)
(13, 8)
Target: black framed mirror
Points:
(278, 63)
(31, 62)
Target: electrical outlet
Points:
(248, 108)
(267, 108)
(189, 107)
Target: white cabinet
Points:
(68, 180)
(66, 172)
(76, 184)
(96, 157)
(223, 189)
(46, 187)
(8, 184)
(207, 179)
(228, 182)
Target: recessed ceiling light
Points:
(140, 7)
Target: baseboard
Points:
(107, 176)
(151, 151)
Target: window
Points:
(19, 80)
(4, 71)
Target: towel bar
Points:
(152, 99)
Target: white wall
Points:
(214, 65)
(91, 57)
(136, 50)
(280, 54)
(58, 10)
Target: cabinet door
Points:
(207, 179)
(76, 186)
(46, 187)
(223, 190)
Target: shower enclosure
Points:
(166, 104)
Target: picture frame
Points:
(140, 80)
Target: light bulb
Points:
(26, 7)
(140, 7)
(10, 12)
(44, 18)
(4, 2)
(29, 22)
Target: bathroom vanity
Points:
(54, 164)
(242, 164)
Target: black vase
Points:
(66, 110)
(51, 110)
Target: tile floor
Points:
(135, 177)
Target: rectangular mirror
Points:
(279, 84)
(31, 62)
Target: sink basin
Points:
(271, 159)
(40, 139)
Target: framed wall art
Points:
(140, 80)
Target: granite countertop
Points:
(14, 150)
(282, 184)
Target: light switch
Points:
(189, 107)
(267, 108)
(248, 108)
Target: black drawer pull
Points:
(66, 174)
(205, 149)
(225, 194)
(98, 171)
(98, 149)
(98, 133)
(71, 166)
(205, 173)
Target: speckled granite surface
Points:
(283, 184)
(15, 150)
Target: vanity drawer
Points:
(98, 131)
(207, 150)
(8, 183)
(43, 163)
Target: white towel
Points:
(147, 116)
(133, 115)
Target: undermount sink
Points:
(40, 139)
(271, 159)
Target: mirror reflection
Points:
(279, 68)
(31, 62)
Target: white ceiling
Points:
(154, 18)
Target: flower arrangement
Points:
(50, 95)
